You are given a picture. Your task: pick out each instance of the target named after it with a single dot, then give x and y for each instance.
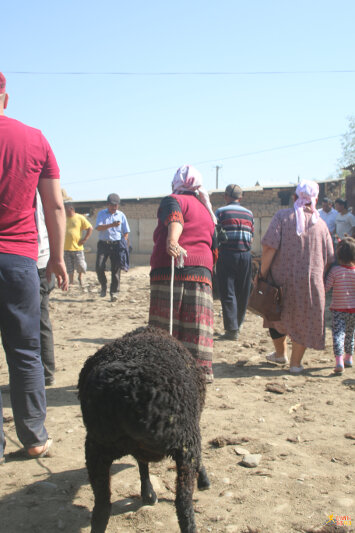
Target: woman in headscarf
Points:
(185, 222)
(297, 250)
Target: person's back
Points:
(343, 284)
(26, 162)
(234, 268)
(196, 238)
(25, 156)
(341, 278)
(238, 224)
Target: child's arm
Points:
(329, 282)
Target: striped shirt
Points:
(342, 279)
(238, 223)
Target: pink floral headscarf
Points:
(307, 192)
(187, 178)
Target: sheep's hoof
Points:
(150, 499)
(204, 486)
(203, 483)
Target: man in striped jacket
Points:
(234, 260)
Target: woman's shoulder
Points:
(284, 214)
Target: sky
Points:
(126, 92)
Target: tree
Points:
(348, 144)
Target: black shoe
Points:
(231, 335)
(113, 298)
(103, 293)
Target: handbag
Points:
(222, 236)
(266, 299)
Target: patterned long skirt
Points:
(192, 316)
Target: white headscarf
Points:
(307, 192)
(187, 178)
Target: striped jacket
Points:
(342, 279)
(238, 224)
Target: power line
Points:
(181, 73)
(246, 154)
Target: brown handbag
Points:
(266, 299)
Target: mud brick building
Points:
(141, 214)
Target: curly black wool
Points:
(142, 395)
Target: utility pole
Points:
(217, 171)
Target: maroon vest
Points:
(196, 237)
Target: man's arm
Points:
(86, 236)
(103, 227)
(54, 214)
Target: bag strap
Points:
(270, 274)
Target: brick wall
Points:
(141, 214)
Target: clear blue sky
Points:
(106, 129)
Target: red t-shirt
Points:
(25, 157)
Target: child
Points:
(342, 278)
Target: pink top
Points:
(25, 157)
(342, 279)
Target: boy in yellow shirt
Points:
(74, 242)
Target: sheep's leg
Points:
(147, 492)
(98, 465)
(186, 474)
(203, 483)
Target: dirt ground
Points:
(303, 427)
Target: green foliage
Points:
(348, 144)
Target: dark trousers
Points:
(110, 251)
(46, 333)
(234, 280)
(19, 325)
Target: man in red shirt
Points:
(26, 163)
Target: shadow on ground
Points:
(226, 370)
(51, 504)
(56, 396)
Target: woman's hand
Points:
(172, 241)
(172, 248)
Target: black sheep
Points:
(142, 395)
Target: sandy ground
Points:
(303, 433)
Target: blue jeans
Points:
(234, 281)
(20, 332)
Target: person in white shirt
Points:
(345, 221)
(46, 331)
(328, 214)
